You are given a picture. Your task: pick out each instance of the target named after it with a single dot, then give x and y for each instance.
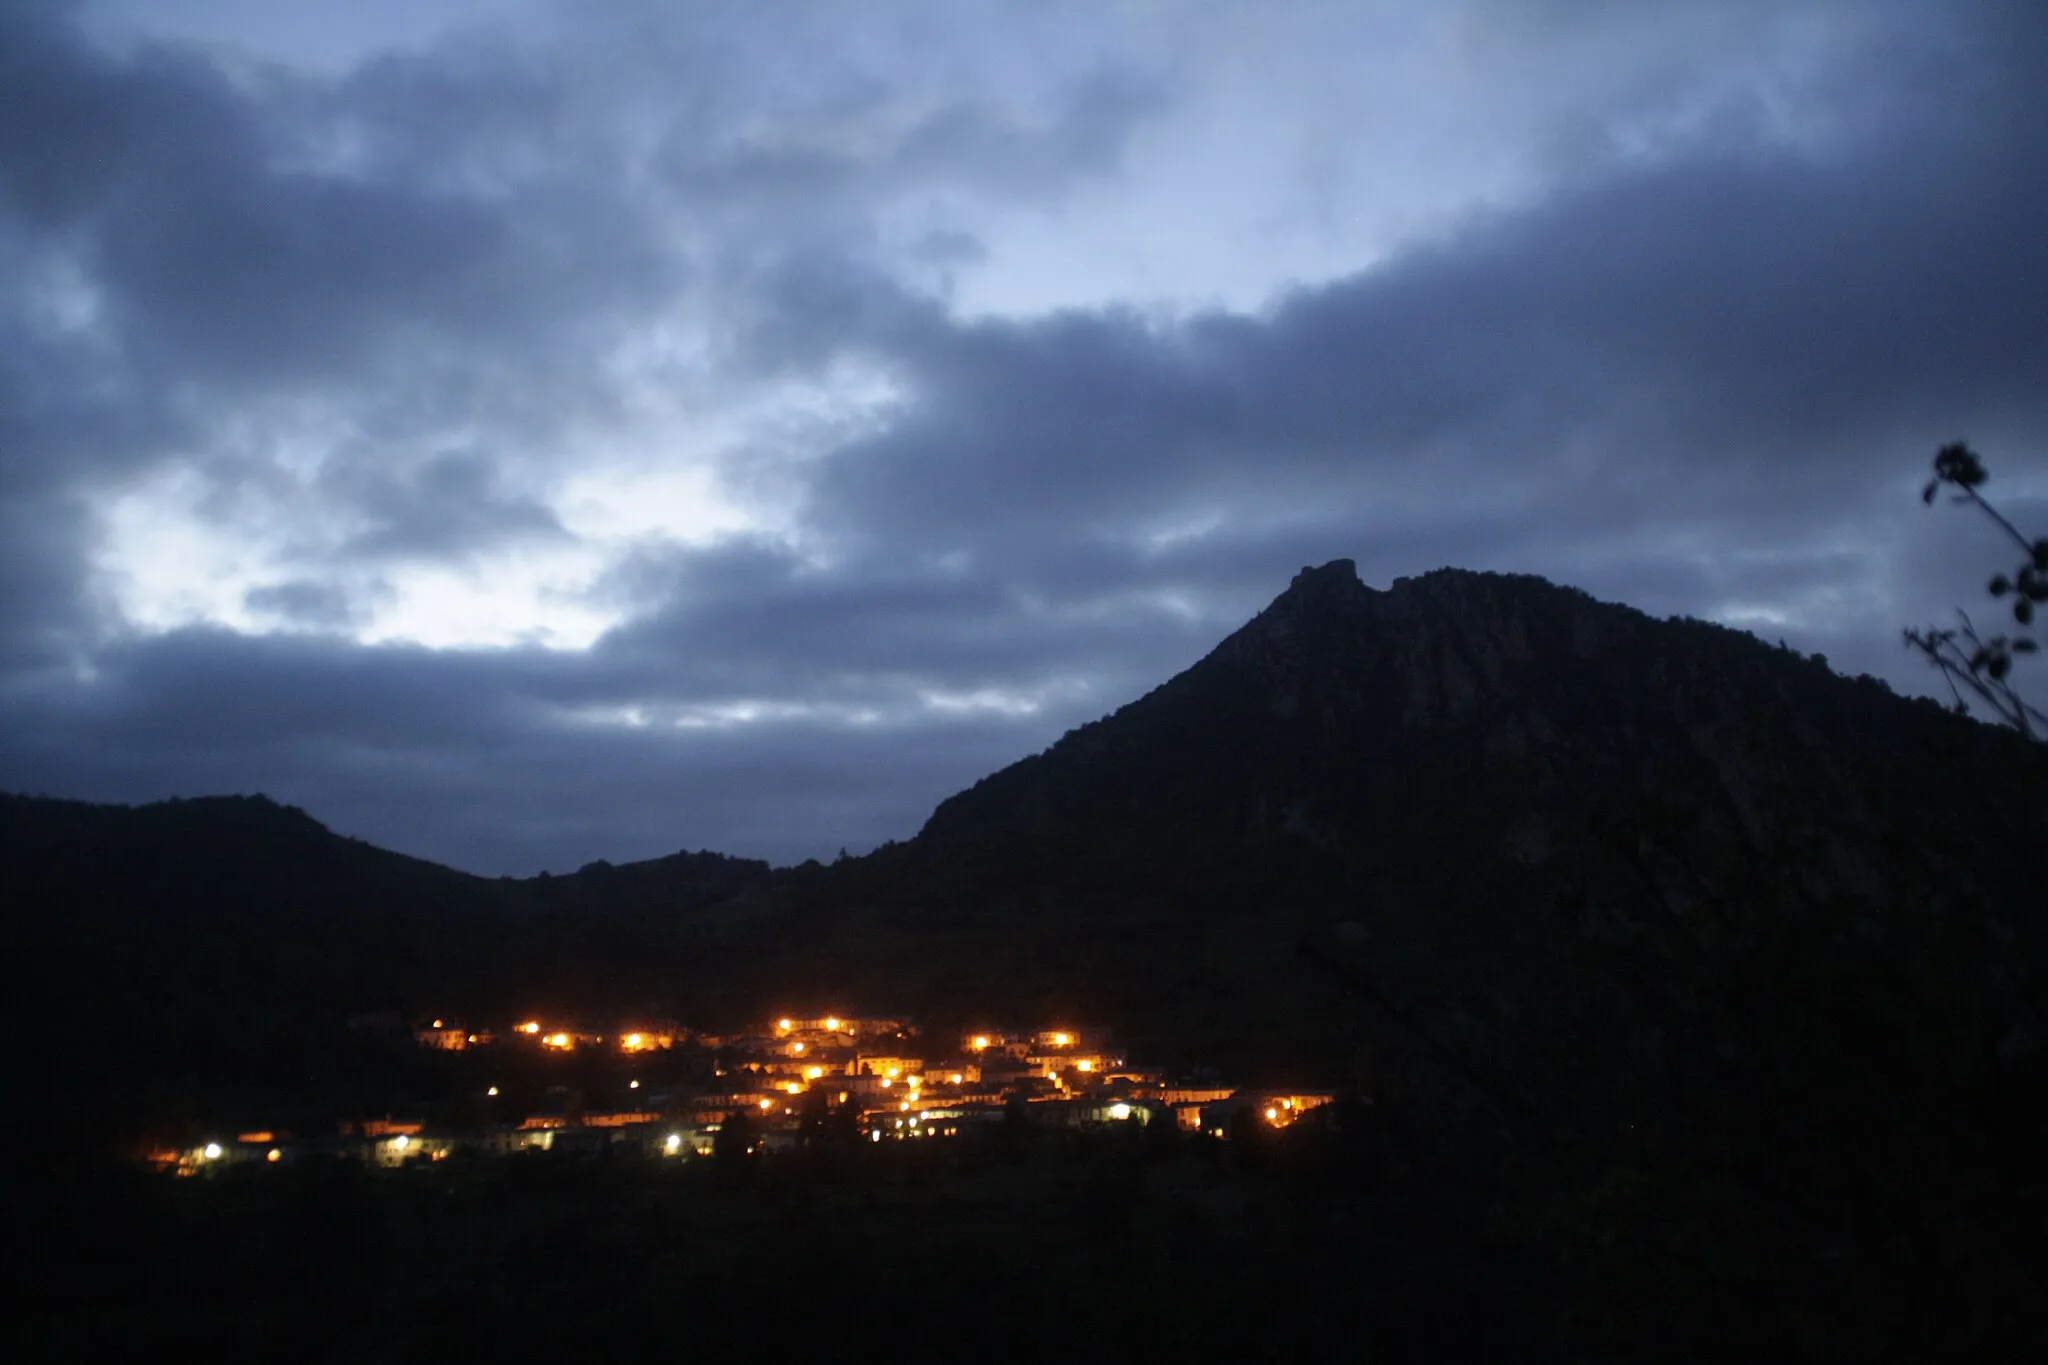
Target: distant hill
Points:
(208, 951)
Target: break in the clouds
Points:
(523, 433)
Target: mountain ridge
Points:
(1446, 763)
(1706, 976)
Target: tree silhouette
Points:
(1981, 663)
(734, 1141)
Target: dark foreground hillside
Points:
(1698, 991)
(1023, 1251)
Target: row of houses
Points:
(656, 1136)
(879, 1074)
(771, 1126)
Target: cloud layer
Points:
(542, 438)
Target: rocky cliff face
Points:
(1445, 736)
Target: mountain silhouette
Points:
(1468, 762)
(1712, 974)
(1671, 954)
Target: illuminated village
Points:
(671, 1093)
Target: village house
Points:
(1063, 1077)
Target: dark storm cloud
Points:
(1730, 319)
(860, 150)
(449, 507)
(476, 757)
(1743, 345)
(305, 602)
(751, 621)
(182, 261)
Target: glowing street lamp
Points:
(212, 1151)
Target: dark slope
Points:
(207, 952)
(1444, 736)
(1711, 975)
(1462, 759)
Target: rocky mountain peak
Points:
(1339, 576)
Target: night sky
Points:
(524, 433)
